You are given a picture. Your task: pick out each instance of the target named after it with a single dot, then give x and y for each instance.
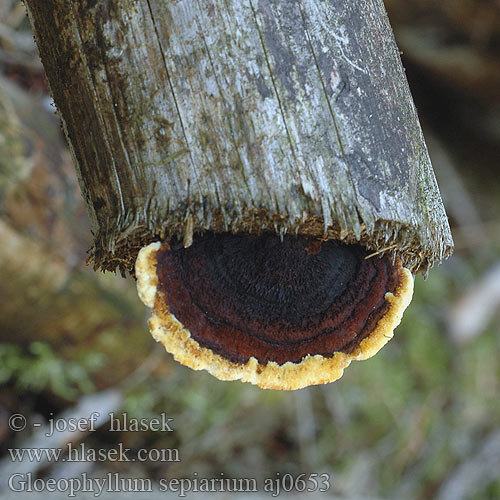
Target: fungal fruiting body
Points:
(279, 313)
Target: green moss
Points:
(41, 369)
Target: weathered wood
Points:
(240, 115)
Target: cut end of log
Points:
(281, 313)
(417, 253)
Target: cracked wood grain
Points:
(248, 115)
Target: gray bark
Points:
(241, 115)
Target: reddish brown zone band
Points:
(346, 322)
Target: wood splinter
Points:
(270, 312)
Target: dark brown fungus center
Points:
(276, 300)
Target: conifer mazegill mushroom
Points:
(281, 313)
(267, 159)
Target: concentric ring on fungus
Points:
(281, 314)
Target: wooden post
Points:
(245, 115)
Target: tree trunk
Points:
(240, 115)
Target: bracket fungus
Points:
(279, 313)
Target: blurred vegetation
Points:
(410, 423)
(43, 370)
